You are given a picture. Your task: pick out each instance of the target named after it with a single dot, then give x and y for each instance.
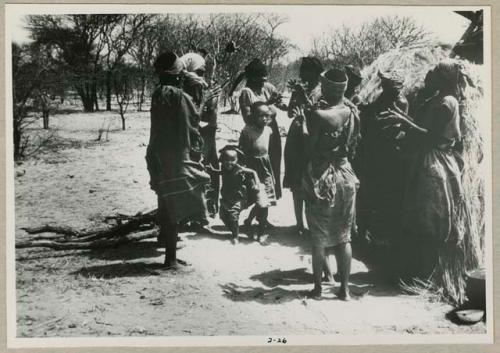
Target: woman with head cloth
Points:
(177, 178)
(434, 207)
(257, 89)
(380, 164)
(295, 162)
(206, 101)
(329, 182)
(355, 78)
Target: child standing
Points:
(240, 187)
(254, 143)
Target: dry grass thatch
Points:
(448, 277)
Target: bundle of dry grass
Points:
(448, 278)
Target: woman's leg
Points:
(318, 259)
(298, 207)
(171, 231)
(262, 214)
(327, 269)
(343, 255)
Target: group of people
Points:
(323, 140)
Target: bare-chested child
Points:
(240, 187)
(254, 142)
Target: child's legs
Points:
(230, 216)
(253, 214)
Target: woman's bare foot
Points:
(171, 264)
(315, 294)
(344, 294)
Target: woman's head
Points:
(392, 81)
(260, 114)
(354, 77)
(333, 85)
(310, 69)
(256, 73)
(168, 67)
(194, 62)
(448, 77)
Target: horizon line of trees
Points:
(109, 57)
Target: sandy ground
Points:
(246, 289)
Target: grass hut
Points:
(448, 278)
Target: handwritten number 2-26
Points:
(277, 340)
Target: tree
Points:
(344, 45)
(123, 78)
(25, 79)
(119, 37)
(77, 41)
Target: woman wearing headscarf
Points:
(434, 206)
(304, 94)
(257, 89)
(381, 165)
(206, 101)
(355, 78)
(329, 182)
(176, 176)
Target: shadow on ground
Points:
(119, 270)
(373, 283)
(261, 295)
(139, 250)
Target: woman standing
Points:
(259, 90)
(307, 93)
(175, 175)
(434, 204)
(329, 182)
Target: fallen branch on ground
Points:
(128, 229)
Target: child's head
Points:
(229, 157)
(260, 114)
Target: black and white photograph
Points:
(243, 175)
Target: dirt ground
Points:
(247, 289)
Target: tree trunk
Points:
(123, 120)
(45, 119)
(108, 90)
(86, 97)
(94, 96)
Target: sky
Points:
(305, 22)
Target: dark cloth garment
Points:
(295, 145)
(330, 184)
(209, 154)
(382, 167)
(174, 139)
(240, 188)
(247, 98)
(433, 205)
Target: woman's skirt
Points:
(330, 192)
(275, 151)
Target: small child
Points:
(254, 142)
(240, 187)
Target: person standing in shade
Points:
(304, 94)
